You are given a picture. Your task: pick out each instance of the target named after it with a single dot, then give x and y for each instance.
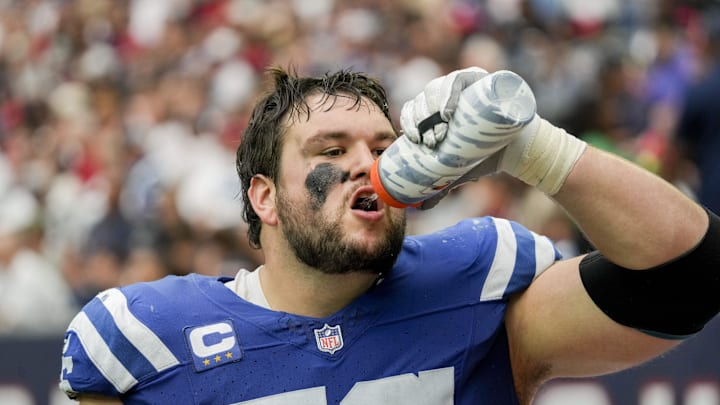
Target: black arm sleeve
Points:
(673, 300)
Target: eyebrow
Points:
(320, 138)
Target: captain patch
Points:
(213, 345)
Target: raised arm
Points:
(653, 280)
(638, 221)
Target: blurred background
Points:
(119, 122)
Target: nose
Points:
(363, 159)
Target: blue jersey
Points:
(430, 333)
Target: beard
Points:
(320, 242)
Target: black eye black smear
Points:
(321, 179)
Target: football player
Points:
(347, 309)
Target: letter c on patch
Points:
(199, 338)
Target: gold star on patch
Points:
(228, 355)
(206, 362)
(217, 358)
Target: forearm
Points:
(635, 218)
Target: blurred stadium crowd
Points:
(119, 119)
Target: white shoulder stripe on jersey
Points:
(144, 340)
(544, 253)
(100, 354)
(503, 263)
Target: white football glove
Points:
(425, 118)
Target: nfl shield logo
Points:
(329, 338)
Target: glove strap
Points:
(428, 124)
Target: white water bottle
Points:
(489, 113)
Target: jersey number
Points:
(428, 387)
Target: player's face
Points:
(324, 186)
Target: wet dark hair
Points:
(261, 144)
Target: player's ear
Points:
(261, 194)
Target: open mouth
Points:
(366, 202)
